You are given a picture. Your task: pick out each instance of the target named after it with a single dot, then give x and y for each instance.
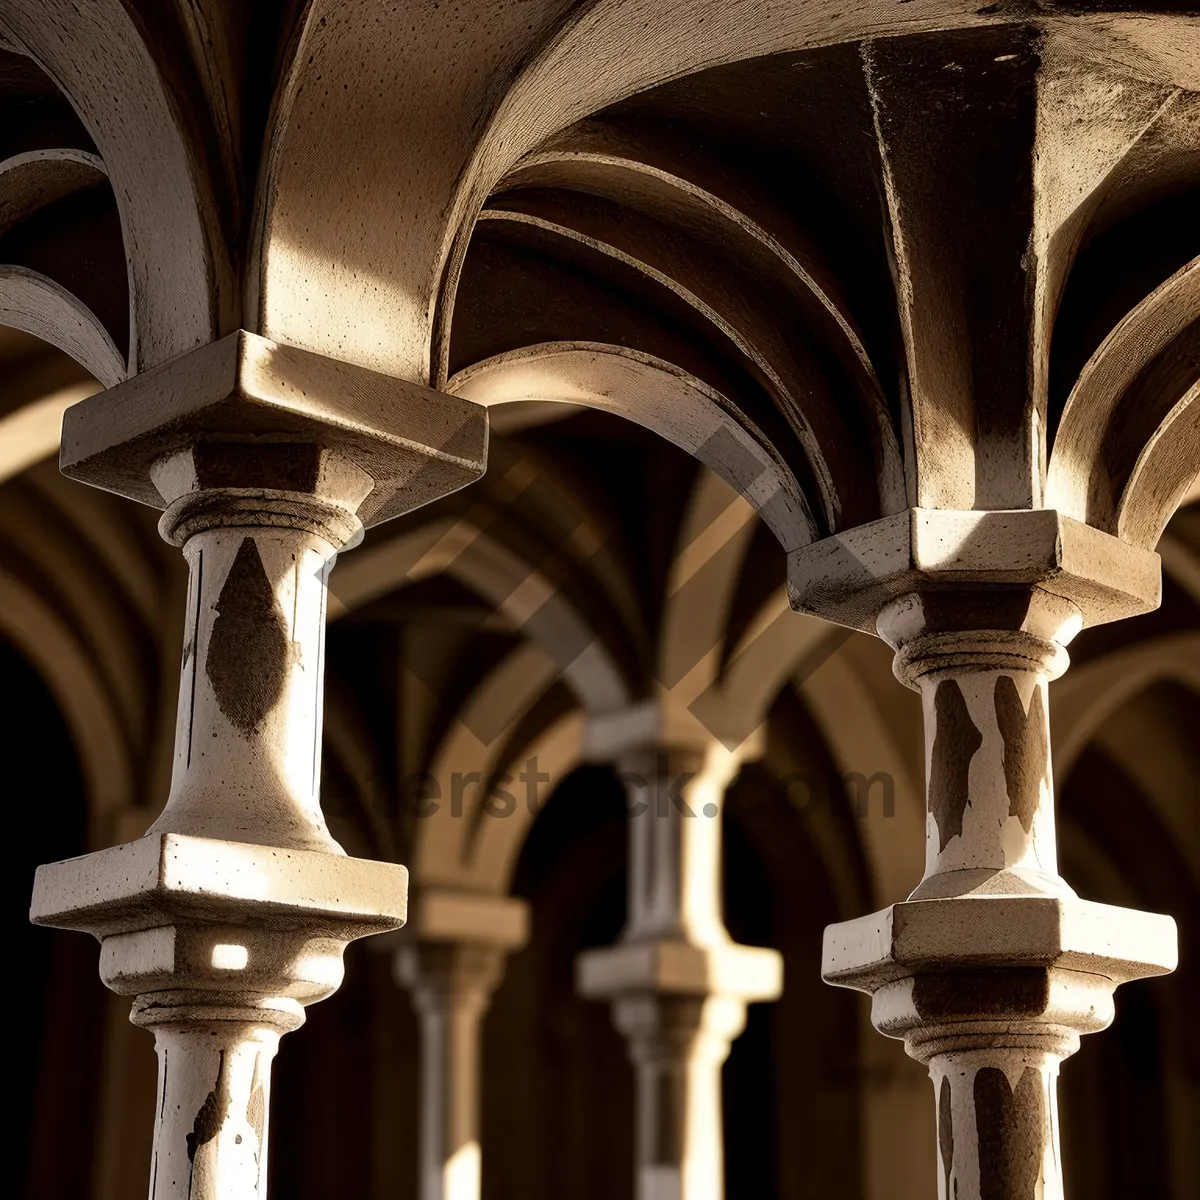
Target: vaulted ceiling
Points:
(857, 261)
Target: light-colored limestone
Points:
(290, 293)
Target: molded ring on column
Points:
(975, 1036)
(215, 508)
(201, 1009)
(978, 649)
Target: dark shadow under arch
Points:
(1119, 1093)
(53, 1066)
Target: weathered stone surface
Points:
(414, 445)
(852, 576)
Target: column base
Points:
(222, 944)
(992, 992)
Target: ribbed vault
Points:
(759, 237)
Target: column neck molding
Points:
(936, 655)
(231, 508)
(441, 976)
(943, 631)
(233, 482)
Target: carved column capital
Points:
(853, 577)
(290, 411)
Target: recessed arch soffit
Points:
(707, 625)
(505, 702)
(97, 570)
(1179, 548)
(83, 695)
(936, 368)
(530, 590)
(1099, 690)
(542, 560)
(1146, 744)
(147, 252)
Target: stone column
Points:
(678, 985)
(232, 913)
(451, 963)
(992, 968)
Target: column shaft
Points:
(678, 1045)
(210, 1131)
(248, 740)
(678, 984)
(997, 1115)
(451, 984)
(675, 844)
(234, 910)
(989, 790)
(450, 1160)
